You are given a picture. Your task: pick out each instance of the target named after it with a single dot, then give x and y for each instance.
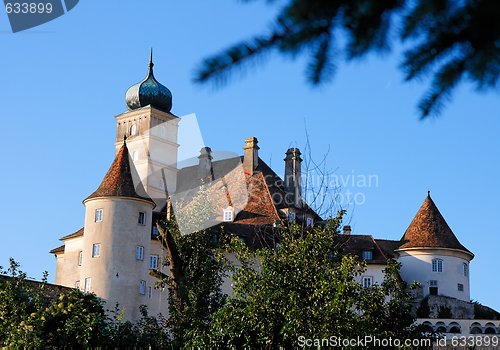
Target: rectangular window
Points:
(98, 215)
(150, 292)
(291, 217)
(139, 252)
(87, 284)
(142, 218)
(96, 250)
(433, 287)
(80, 258)
(367, 282)
(77, 285)
(228, 215)
(367, 255)
(460, 287)
(153, 262)
(466, 269)
(309, 222)
(156, 233)
(437, 265)
(142, 287)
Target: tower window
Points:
(96, 250)
(309, 222)
(139, 252)
(460, 287)
(228, 215)
(367, 255)
(142, 287)
(77, 285)
(291, 217)
(142, 218)
(88, 280)
(367, 282)
(98, 215)
(437, 265)
(80, 258)
(133, 130)
(153, 262)
(150, 292)
(466, 269)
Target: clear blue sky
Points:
(62, 83)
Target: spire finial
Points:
(428, 193)
(151, 64)
(124, 140)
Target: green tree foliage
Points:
(445, 39)
(307, 287)
(39, 315)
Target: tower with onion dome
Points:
(431, 254)
(151, 131)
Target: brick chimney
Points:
(293, 187)
(347, 230)
(250, 155)
(205, 170)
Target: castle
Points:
(113, 253)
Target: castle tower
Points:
(117, 239)
(151, 132)
(432, 255)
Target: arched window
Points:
(454, 328)
(437, 265)
(476, 328)
(133, 130)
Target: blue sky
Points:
(62, 83)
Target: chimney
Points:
(347, 230)
(205, 170)
(250, 155)
(293, 185)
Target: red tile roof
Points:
(78, 233)
(118, 180)
(356, 244)
(430, 230)
(57, 250)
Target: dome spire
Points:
(149, 92)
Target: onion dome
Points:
(429, 229)
(149, 92)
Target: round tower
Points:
(116, 243)
(432, 255)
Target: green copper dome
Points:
(149, 92)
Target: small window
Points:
(87, 284)
(139, 252)
(98, 215)
(367, 282)
(153, 262)
(433, 287)
(367, 255)
(309, 222)
(291, 217)
(133, 130)
(142, 218)
(460, 287)
(150, 292)
(228, 215)
(156, 233)
(135, 156)
(80, 258)
(142, 287)
(96, 250)
(466, 269)
(437, 265)
(77, 285)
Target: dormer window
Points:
(228, 214)
(437, 265)
(367, 255)
(291, 217)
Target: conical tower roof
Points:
(118, 180)
(429, 229)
